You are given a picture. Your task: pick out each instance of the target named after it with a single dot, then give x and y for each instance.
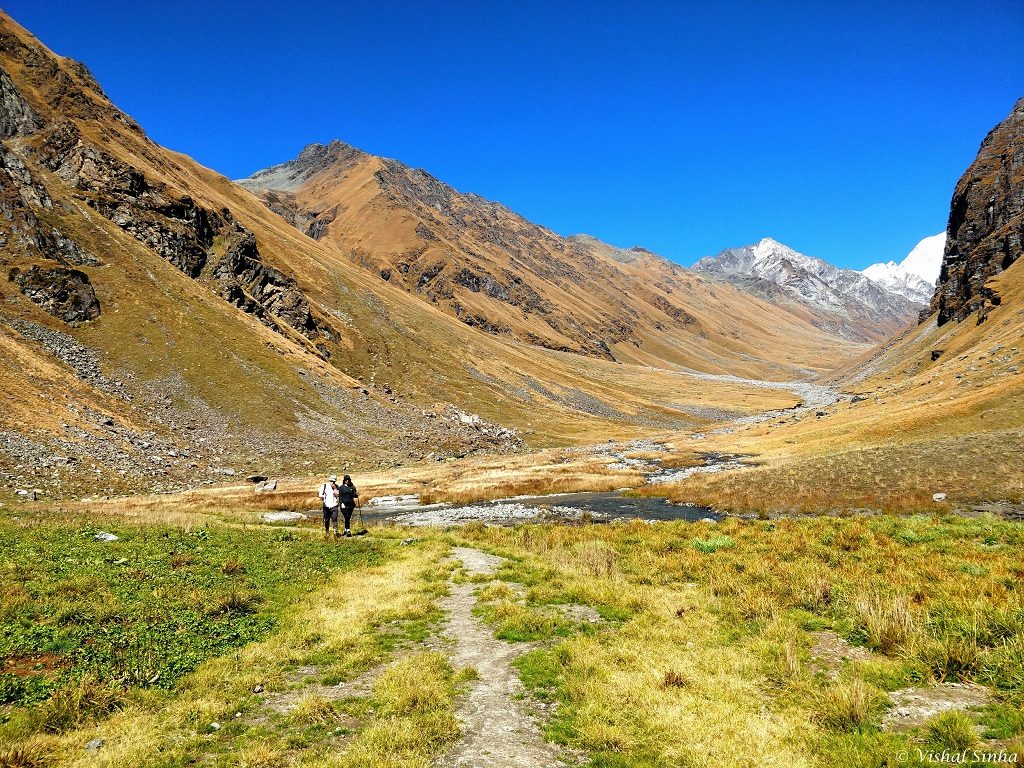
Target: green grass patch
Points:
(147, 609)
(1001, 721)
(951, 732)
(713, 544)
(523, 624)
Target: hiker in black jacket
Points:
(348, 494)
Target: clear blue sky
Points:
(839, 128)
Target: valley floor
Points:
(887, 631)
(819, 642)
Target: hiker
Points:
(330, 495)
(349, 494)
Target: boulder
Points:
(284, 516)
(938, 498)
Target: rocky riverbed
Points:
(568, 508)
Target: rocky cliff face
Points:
(985, 234)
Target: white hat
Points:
(332, 479)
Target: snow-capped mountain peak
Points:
(915, 276)
(767, 249)
(842, 301)
(925, 260)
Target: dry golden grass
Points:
(893, 478)
(465, 493)
(707, 660)
(661, 689)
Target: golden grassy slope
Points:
(952, 425)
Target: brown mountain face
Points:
(985, 234)
(496, 271)
(161, 327)
(151, 337)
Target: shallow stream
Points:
(598, 507)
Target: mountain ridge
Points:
(494, 270)
(840, 301)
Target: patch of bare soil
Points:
(912, 707)
(830, 652)
(581, 614)
(497, 728)
(283, 702)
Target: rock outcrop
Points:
(16, 115)
(64, 293)
(201, 242)
(252, 286)
(985, 234)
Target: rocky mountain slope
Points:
(986, 224)
(840, 301)
(915, 276)
(495, 271)
(161, 327)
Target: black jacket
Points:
(348, 496)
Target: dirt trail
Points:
(497, 729)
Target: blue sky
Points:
(838, 128)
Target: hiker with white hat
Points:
(330, 495)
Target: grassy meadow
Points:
(746, 642)
(158, 643)
(718, 641)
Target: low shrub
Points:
(848, 706)
(951, 732)
(887, 622)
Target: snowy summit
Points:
(915, 276)
(842, 301)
